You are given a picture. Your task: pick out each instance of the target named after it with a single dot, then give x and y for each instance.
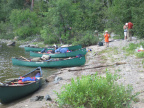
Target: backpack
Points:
(100, 43)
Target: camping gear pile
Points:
(140, 49)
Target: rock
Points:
(57, 79)
(47, 97)
(11, 43)
(38, 98)
(15, 38)
(50, 78)
(58, 73)
(37, 39)
(28, 45)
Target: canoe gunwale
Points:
(75, 47)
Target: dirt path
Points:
(131, 73)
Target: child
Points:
(125, 31)
(106, 36)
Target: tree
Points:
(25, 23)
(60, 18)
(7, 5)
(122, 11)
(68, 18)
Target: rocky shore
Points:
(98, 60)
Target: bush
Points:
(95, 91)
(132, 47)
(118, 37)
(25, 23)
(140, 54)
(85, 39)
(7, 36)
(48, 35)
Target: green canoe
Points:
(14, 90)
(52, 63)
(60, 55)
(27, 49)
(39, 49)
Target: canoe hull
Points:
(51, 64)
(27, 49)
(11, 93)
(61, 55)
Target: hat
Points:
(126, 23)
(106, 31)
(56, 46)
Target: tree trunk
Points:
(32, 5)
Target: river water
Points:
(7, 70)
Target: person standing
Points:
(106, 36)
(129, 31)
(125, 31)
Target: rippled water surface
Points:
(7, 70)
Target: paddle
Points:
(24, 58)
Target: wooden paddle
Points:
(24, 58)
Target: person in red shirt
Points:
(129, 31)
(106, 36)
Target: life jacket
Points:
(28, 79)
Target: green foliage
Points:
(131, 49)
(122, 11)
(85, 38)
(118, 37)
(140, 54)
(95, 91)
(3, 27)
(7, 5)
(68, 20)
(143, 61)
(48, 34)
(25, 23)
(6, 31)
(138, 19)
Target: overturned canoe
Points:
(39, 49)
(13, 90)
(52, 63)
(60, 55)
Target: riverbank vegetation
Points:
(90, 91)
(68, 21)
(132, 49)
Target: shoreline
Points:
(130, 73)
